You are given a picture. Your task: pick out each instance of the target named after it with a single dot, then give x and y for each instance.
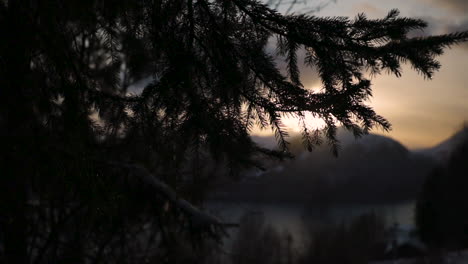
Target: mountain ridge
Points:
(442, 151)
(372, 168)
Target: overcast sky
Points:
(422, 112)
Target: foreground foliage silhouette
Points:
(94, 170)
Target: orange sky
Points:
(422, 112)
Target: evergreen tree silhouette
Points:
(93, 171)
(441, 209)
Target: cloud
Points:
(369, 9)
(456, 6)
(457, 28)
(438, 26)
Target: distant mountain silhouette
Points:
(370, 169)
(345, 137)
(442, 151)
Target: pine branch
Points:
(152, 185)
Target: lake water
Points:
(296, 217)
